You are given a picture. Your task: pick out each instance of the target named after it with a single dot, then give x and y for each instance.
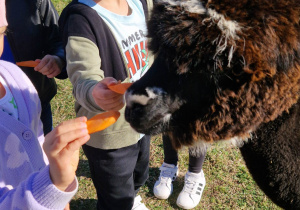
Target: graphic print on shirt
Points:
(16, 158)
(136, 54)
(8, 102)
(13, 103)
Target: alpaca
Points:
(227, 70)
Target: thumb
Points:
(109, 81)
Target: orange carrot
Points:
(27, 63)
(101, 121)
(120, 88)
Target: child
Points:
(105, 41)
(33, 34)
(26, 181)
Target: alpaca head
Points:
(223, 67)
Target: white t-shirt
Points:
(130, 33)
(7, 102)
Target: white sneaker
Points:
(192, 191)
(163, 186)
(138, 205)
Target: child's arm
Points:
(55, 185)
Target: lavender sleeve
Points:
(37, 192)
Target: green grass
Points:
(229, 184)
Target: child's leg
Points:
(196, 163)
(194, 183)
(163, 187)
(141, 171)
(112, 175)
(170, 154)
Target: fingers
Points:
(66, 145)
(63, 134)
(116, 108)
(105, 98)
(115, 103)
(76, 144)
(101, 92)
(45, 65)
(109, 80)
(71, 125)
(54, 73)
(49, 66)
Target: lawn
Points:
(229, 184)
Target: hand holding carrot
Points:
(62, 149)
(105, 98)
(50, 65)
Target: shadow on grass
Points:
(83, 204)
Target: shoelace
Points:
(167, 175)
(189, 186)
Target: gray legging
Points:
(171, 156)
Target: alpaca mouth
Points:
(152, 124)
(153, 129)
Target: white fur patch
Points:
(200, 147)
(142, 99)
(235, 141)
(167, 118)
(228, 27)
(229, 30)
(154, 92)
(192, 6)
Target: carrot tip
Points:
(27, 63)
(102, 121)
(120, 88)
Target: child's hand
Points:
(62, 149)
(105, 98)
(50, 65)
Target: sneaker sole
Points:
(184, 207)
(163, 197)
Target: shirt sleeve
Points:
(37, 192)
(83, 67)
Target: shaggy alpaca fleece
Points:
(250, 55)
(227, 69)
(272, 157)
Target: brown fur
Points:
(217, 80)
(264, 64)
